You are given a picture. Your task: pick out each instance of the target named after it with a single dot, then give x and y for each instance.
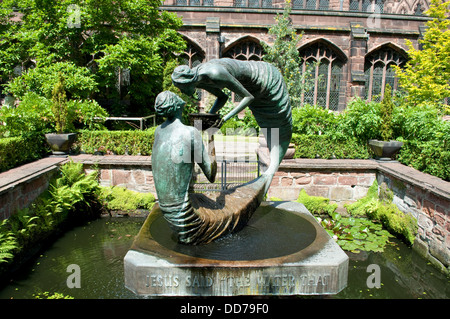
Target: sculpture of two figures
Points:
(195, 218)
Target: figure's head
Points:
(167, 104)
(185, 79)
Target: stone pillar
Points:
(212, 50)
(212, 38)
(358, 50)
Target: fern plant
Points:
(8, 243)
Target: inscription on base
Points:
(309, 283)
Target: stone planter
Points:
(385, 151)
(60, 144)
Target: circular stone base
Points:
(282, 251)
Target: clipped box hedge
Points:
(15, 151)
(116, 142)
(329, 146)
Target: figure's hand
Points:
(218, 123)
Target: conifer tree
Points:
(285, 56)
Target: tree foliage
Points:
(427, 73)
(106, 37)
(285, 56)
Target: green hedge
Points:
(329, 146)
(116, 142)
(431, 157)
(15, 151)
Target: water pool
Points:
(99, 247)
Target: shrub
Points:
(381, 208)
(79, 81)
(313, 120)
(117, 142)
(328, 146)
(431, 157)
(361, 120)
(358, 208)
(19, 150)
(386, 110)
(119, 198)
(316, 204)
(33, 114)
(420, 123)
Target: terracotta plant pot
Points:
(385, 151)
(60, 144)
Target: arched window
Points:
(246, 50)
(376, 6)
(378, 72)
(311, 4)
(252, 3)
(326, 75)
(194, 3)
(193, 56)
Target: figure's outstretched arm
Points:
(205, 157)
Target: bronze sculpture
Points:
(196, 218)
(262, 89)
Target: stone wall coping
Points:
(25, 173)
(328, 164)
(113, 160)
(410, 175)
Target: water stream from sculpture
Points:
(196, 218)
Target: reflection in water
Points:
(99, 247)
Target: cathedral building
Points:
(355, 41)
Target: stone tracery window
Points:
(252, 3)
(326, 75)
(311, 4)
(192, 56)
(194, 3)
(376, 6)
(378, 72)
(247, 51)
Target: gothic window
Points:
(297, 4)
(192, 56)
(253, 3)
(376, 6)
(326, 76)
(194, 3)
(378, 71)
(419, 9)
(311, 4)
(247, 50)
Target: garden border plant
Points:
(353, 234)
(73, 198)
